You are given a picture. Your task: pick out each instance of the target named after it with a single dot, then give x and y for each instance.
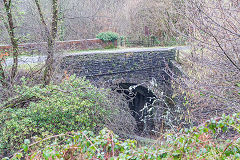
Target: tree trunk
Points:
(51, 37)
(14, 41)
(2, 76)
(48, 73)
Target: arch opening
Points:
(140, 100)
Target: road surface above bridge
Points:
(41, 58)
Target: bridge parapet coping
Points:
(119, 51)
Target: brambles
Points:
(70, 106)
(195, 143)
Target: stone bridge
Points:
(126, 68)
(121, 66)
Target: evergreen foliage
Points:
(108, 36)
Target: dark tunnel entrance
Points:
(140, 100)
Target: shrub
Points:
(108, 36)
(70, 106)
(196, 143)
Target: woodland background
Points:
(211, 87)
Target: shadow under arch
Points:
(140, 100)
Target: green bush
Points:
(196, 143)
(108, 36)
(70, 106)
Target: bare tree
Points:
(51, 34)
(156, 15)
(214, 64)
(85, 19)
(8, 21)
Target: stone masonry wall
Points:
(131, 66)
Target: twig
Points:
(60, 135)
(228, 146)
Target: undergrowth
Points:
(196, 143)
(40, 112)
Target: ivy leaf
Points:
(19, 155)
(25, 148)
(238, 84)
